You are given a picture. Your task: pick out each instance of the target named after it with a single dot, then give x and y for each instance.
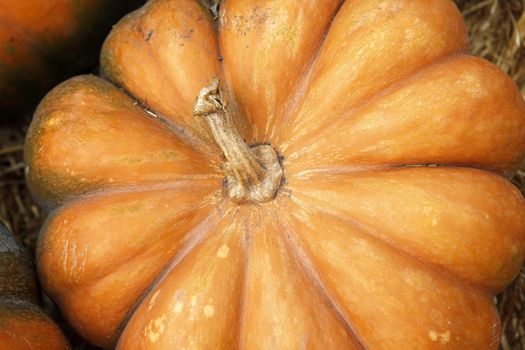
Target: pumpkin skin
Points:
(364, 245)
(42, 42)
(23, 325)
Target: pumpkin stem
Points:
(253, 175)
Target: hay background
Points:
(497, 32)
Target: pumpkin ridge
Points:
(99, 192)
(310, 271)
(443, 271)
(280, 27)
(477, 295)
(191, 297)
(167, 156)
(352, 110)
(98, 278)
(95, 279)
(344, 169)
(271, 298)
(439, 127)
(303, 81)
(160, 32)
(186, 135)
(360, 168)
(294, 124)
(244, 291)
(490, 279)
(195, 236)
(363, 168)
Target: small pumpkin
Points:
(340, 186)
(23, 325)
(42, 42)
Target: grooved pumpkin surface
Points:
(394, 226)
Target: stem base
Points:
(264, 190)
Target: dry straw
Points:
(497, 32)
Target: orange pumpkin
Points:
(342, 187)
(23, 325)
(42, 42)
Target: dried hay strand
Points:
(497, 33)
(17, 209)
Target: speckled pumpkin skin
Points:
(23, 325)
(395, 225)
(42, 42)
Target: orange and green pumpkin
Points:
(341, 185)
(42, 42)
(23, 325)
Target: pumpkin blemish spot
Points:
(209, 311)
(433, 335)
(155, 329)
(178, 307)
(443, 338)
(223, 251)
